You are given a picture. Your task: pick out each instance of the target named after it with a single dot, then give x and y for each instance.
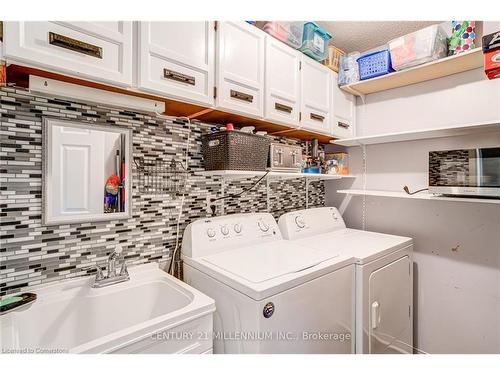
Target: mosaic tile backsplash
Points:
(32, 254)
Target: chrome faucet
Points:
(111, 277)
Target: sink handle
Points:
(124, 270)
(99, 275)
(98, 271)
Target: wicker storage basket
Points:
(333, 59)
(235, 150)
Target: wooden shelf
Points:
(234, 175)
(436, 69)
(479, 127)
(19, 75)
(219, 117)
(422, 195)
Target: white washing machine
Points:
(384, 275)
(271, 296)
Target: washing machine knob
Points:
(211, 232)
(263, 226)
(237, 228)
(224, 230)
(299, 220)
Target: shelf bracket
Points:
(200, 113)
(284, 131)
(355, 92)
(361, 95)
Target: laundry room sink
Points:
(152, 313)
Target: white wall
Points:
(457, 289)
(456, 99)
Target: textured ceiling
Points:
(361, 36)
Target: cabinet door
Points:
(77, 170)
(282, 83)
(316, 96)
(100, 51)
(343, 110)
(176, 59)
(240, 68)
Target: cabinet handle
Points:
(179, 77)
(316, 117)
(242, 96)
(344, 125)
(75, 45)
(283, 108)
(375, 314)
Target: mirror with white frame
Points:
(86, 172)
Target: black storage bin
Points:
(235, 150)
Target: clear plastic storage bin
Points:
(290, 33)
(348, 69)
(418, 47)
(315, 41)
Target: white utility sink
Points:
(152, 313)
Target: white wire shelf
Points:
(235, 174)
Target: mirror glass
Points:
(86, 170)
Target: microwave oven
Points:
(469, 172)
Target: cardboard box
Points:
(491, 53)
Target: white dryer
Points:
(384, 275)
(271, 296)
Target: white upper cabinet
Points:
(240, 49)
(316, 92)
(176, 59)
(101, 51)
(343, 109)
(282, 87)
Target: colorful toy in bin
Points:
(112, 188)
(337, 163)
(463, 37)
(113, 184)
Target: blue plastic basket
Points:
(374, 64)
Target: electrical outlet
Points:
(209, 204)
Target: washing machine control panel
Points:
(211, 235)
(309, 222)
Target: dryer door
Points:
(390, 296)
